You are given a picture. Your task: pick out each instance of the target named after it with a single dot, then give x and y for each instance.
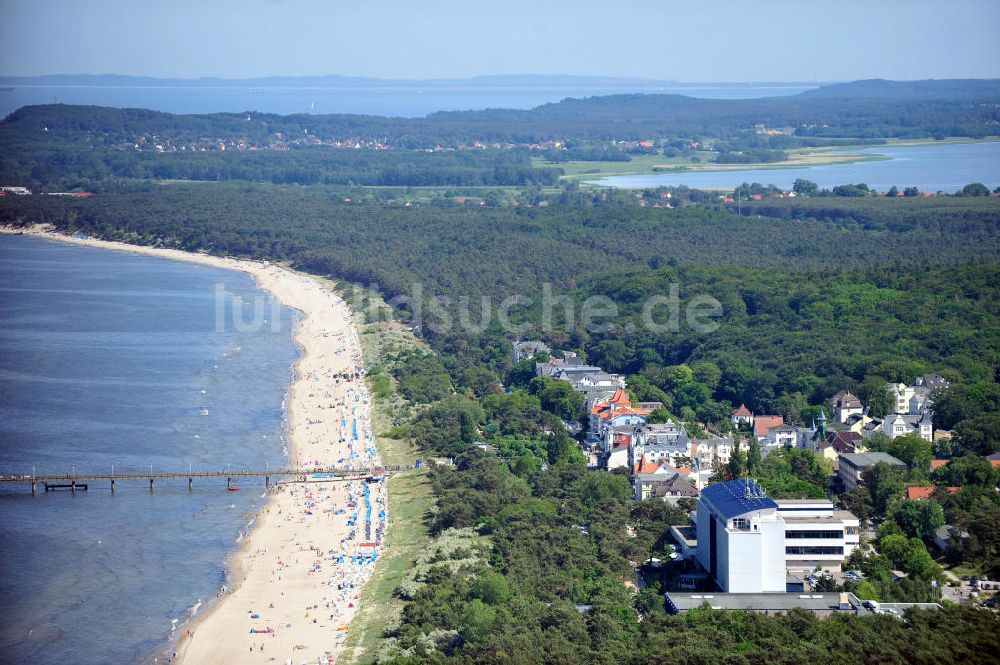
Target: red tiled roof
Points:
(761, 424)
(918, 493)
(938, 463)
(607, 414)
(646, 467)
(743, 411)
(621, 398)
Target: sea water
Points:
(390, 100)
(112, 358)
(930, 167)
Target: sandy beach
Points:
(299, 573)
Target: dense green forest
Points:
(73, 162)
(816, 295)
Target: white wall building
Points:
(816, 534)
(741, 538)
(715, 452)
(667, 442)
(748, 542)
(896, 425)
(845, 404)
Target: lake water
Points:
(390, 101)
(946, 167)
(113, 358)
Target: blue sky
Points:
(695, 40)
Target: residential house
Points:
(657, 479)
(552, 366)
(938, 463)
(714, 452)
(914, 493)
(741, 415)
(671, 486)
(945, 535)
(994, 460)
(663, 442)
(852, 465)
(529, 349)
(916, 398)
(583, 379)
(763, 424)
(896, 425)
(786, 436)
(838, 443)
(616, 412)
(857, 422)
(845, 404)
(623, 435)
(617, 457)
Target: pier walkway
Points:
(81, 481)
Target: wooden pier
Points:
(80, 481)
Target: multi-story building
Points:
(748, 542)
(741, 538)
(816, 534)
(852, 465)
(787, 436)
(715, 452)
(525, 350)
(916, 398)
(897, 424)
(617, 412)
(667, 441)
(844, 405)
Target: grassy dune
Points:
(410, 494)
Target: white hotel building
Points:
(748, 542)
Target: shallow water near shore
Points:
(930, 167)
(108, 358)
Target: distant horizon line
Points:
(496, 78)
(487, 80)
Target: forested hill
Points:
(814, 300)
(957, 89)
(867, 109)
